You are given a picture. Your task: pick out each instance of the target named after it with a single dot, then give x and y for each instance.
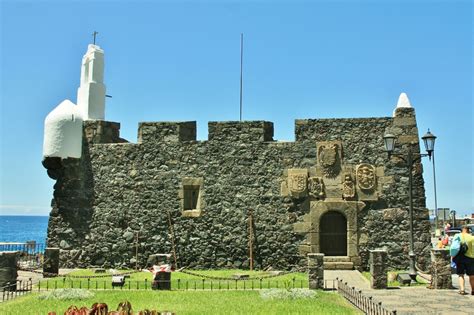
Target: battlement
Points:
(246, 131)
(403, 123)
(166, 131)
(101, 131)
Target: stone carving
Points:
(348, 187)
(298, 182)
(329, 158)
(316, 187)
(366, 178)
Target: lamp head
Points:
(389, 141)
(429, 140)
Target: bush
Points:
(291, 294)
(66, 294)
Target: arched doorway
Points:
(333, 234)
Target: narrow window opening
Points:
(191, 197)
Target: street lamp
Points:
(410, 159)
(429, 140)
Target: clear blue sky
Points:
(180, 61)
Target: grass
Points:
(395, 283)
(179, 280)
(190, 302)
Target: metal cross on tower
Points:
(94, 35)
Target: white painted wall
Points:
(63, 131)
(91, 92)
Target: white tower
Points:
(91, 92)
(63, 125)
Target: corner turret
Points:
(63, 132)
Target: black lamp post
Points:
(410, 159)
(453, 217)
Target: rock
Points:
(128, 236)
(64, 245)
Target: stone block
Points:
(341, 265)
(8, 269)
(51, 262)
(301, 227)
(378, 269)
(316, 270)
(440, 269)
(404, 121)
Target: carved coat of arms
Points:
(297, 182)
(328, 156)
(316, 187)
(366, 177)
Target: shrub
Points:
(66, 294)
(290, 294)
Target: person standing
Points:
(465, 259)
(447, 227)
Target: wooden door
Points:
(333, 234)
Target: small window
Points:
(191, 197)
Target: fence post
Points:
(51, 262)
(316, 270)
(378, 269)
(440, 269)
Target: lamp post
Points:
(453, 217)
(410, 159)
(435, 197)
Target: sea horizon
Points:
(23, 228)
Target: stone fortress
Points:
(333, 190)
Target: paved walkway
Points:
(37, 276)
(410, 300)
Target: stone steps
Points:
(338, 263)
(337, 259)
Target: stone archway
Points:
(311, 226)
(333, 234)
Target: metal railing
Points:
(176, 284)
(30, 254)
(361, 301)
(18, 288)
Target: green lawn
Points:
(189, 302)
(179, 281)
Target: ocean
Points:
(23, 228)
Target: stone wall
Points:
(119, 190)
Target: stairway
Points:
(338, 263)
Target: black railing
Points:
(175, 284)
(30, 254)
(365, 303)
(18, 288)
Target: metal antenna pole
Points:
(241, 72)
